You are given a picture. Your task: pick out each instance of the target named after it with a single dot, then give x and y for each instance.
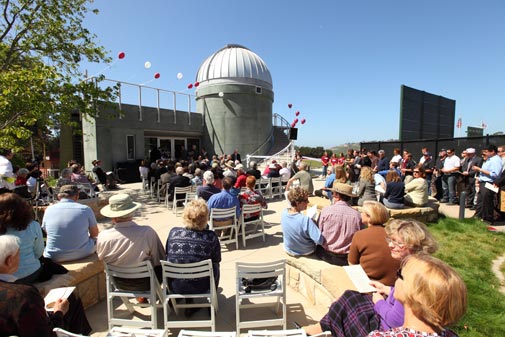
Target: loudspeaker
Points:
(293, 133)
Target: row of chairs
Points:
(161, 296)
(272, 188)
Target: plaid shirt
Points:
(338, 223)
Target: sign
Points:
(473, 131)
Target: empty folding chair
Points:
(119, 284)
(260, 285)
(188, 271)
(275, 187)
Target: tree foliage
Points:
(42, 43)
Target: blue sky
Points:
(340, 63)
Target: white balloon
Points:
(221, 94)
(147, 65)
(179, 76)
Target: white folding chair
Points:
(252, 228)
(277, 333)
(160, 189)
(193, 333)
(180, 196)
(249, 299)
(229, 227)
(125, 332)
(64, 333)
(188, 271)
(152, 187)
(145, 185)
(118, 279)
(263, 186)
(284, 182)
(275, 187)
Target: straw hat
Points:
(230, 164)
(119, 206)
(341, 188)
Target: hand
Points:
(61, 305)
(376, 297)
(381, 288)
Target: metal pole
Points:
(462, 203)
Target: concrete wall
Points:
(241, 119)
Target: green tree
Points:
(42, 43)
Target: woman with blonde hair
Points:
(366, 186)
(434, 297)
(193, 243)
(369, 247)
(355, 314)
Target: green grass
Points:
(469, 248)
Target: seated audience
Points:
(284, 172)
(71, 227)
(78, 176)
(193, 243)
(22, 308)
(107, 179)
(369, 247)
(304, 177)
(207, 189)
(251, 197)
(417, 189)
(395, 189)
(224, 199)
(338, 223)
(434, 297)
(366, 186)
(127, 242)
(300, 234)
(177, 180)
(328, 184)
(253, 170)
(355, 314)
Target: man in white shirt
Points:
(450, 171)
(6, 171)
(284, 171)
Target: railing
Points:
(131, 93)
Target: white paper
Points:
(312, 212)
(359, 278)
(491, 187)
(54, 294)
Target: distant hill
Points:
(344, 147)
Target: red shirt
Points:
(324, 160)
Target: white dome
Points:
(234, 64)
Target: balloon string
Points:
(101, 71)
(147, 82)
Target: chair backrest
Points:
(249, 270)
(143, 270)
(193, 333)
(182, 190)
(251, 209)
(222, 213)
(187, 270)
(277, 333)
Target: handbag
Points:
(260, 284)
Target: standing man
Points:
(488, 173)
(428, 166)
(469, 175)
(6, 171)
(436, 182)
(338, 223)
(450, 171)
(70, 226)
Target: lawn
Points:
(470, 249)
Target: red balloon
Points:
(190, 85)
(121, 55)
(290, 105)
(293, 125)
(157, 75)
(197, 84)
(296, 120)
(297, 113)
(303, 121)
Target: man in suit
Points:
(468, 174)
(177, 180)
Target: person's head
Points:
(68, 192)
(15, 212)
(450, 152)
(396, 151)
(381, 153)
(490, 150)
(250, 182)
(22, 172)
(121, 208)
(470, 152)
(407, 237)
(340, 174)
(284, 164)
(76, 168)
(227, 183)
(392, 175)
(298, 197)
(179, 170)
(434, 291)
(366, 174)
(501, 150)
(330, 170)
(253, 165)
(66, 173)
(302, 166)
(240, 169)
(196, 215)
(96, 162)
(419, 171)
(9, 254)
(373, 213)
(7, 153)
(208, 176)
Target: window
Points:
(130, 147)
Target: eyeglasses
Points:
(394, 243)
(399, 274)
(416, 171)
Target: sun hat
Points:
(342, 188)
(230, 164)
(119, 206)
(239, 167)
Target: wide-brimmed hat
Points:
(342, 188)
(230, 164)
(119, 206)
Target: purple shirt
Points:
(390, 311)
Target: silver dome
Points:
(234, 64)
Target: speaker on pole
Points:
(293, 133)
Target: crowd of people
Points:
(390, 252)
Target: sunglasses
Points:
(416, 171)
(399, 274)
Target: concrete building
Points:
(234, 98)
